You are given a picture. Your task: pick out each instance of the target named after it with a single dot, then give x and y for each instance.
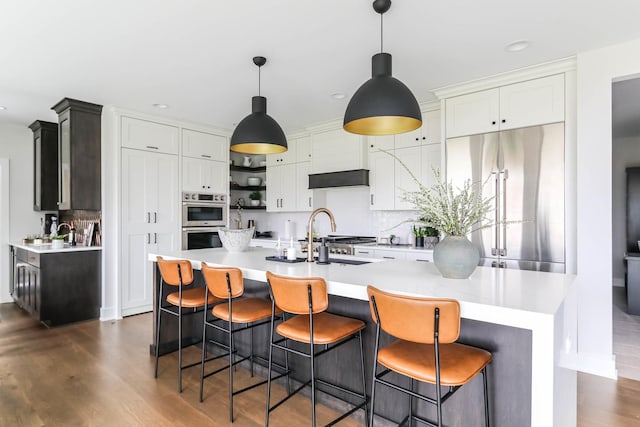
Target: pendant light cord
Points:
(259, 69)
(381, 32)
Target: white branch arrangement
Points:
(454, 212)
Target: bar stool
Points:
(226, 283)
(307, 300)
(425, 350)
(179, 273)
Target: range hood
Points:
(350, 178)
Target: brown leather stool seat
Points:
(227, 284)
(425, 350)
(307, 300)
(179, 273)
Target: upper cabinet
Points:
(149, 136)
(529, 103)
(203, 145)
(428, 133)
(79, 137)
(45, 165)
(285, 158)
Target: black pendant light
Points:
(258, 133)
(383, 105)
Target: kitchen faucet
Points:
(310, 230)
(65, 224)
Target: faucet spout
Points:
(64, 224)
(310, 229)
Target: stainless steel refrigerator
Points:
(523, 170)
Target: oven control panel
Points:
(204, 197)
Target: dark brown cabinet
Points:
(57, 287)
(79, 143)
(45, 165)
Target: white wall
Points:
(626, 153)
(596, 70)
(16, 144)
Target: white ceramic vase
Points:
(456, 257)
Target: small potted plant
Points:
(57, 242)
(419, 233)
(431, 237)
(255, 197)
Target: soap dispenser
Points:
(323, 252)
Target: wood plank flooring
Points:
(626, 337)
(100, 374)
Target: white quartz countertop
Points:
(511, 297)
(46, 249)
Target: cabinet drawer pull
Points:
(389, 257)
(363, 252)
(152, 147)
(423, 260)
(206, 156)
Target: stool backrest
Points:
(216, 280)
(171, 274)
(412, 318)
(291, 294)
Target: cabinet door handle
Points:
(148, 217)
(148, 238)
(309, 201)
(155, 238)
(206, 156)
(372, 200)
(152, 147)
(504, 121)
(493, 122)
(155, 217)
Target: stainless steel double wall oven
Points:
(202, 215)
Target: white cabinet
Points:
(388, 254)
(303, 149)
(304, 196)
(405, 176)
(381, 181)
(203, 145)
(419, 255)
(528, 103)
(204, 175)
(150, 222)
(149, 136)
(337, 150)
(428, 133)
(407, 253)
(285, 158)
(415, 154)
(364, 253)
(281, 188)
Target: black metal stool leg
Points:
(266, 422)
(313, 383)
(486, 396)
(158, 327)
(364, 379)
(231, 368)
(180, 349)
(413, 388)
(204, 354)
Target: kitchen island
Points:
(56, 285)
(525, 318)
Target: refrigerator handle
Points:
(505, 176)
(496, 237)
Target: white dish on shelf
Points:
(254, 181)
(263, 163)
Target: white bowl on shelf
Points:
(254, 181)
(235, 241)
(263, 163)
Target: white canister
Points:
(289, 229)
(291, 253)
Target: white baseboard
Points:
(108, 313)
(597, 365)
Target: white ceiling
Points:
(195, 55)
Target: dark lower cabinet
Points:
(58, 287)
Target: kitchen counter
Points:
(47, 249)
(540, 305)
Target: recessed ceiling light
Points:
(338, 95)
(2, 107)
(161, 106)
(517, 46)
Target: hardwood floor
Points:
(100, 374)
(626, 337)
